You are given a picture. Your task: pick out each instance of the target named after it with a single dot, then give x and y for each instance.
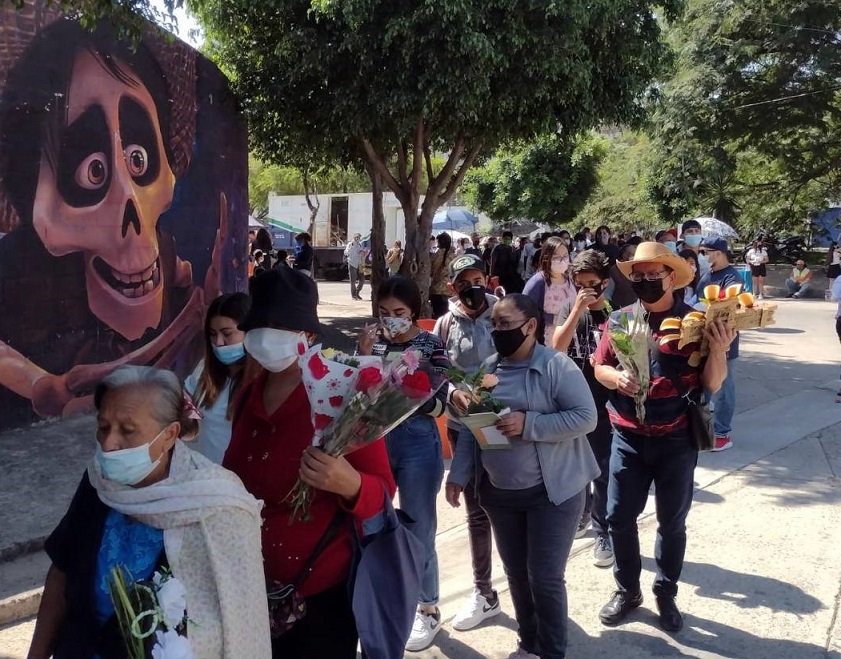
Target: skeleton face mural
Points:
(104, 191)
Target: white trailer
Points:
(339, 216)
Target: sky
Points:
(186, 23)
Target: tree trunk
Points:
(377, 237)
(311, 193)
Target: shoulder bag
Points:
(699, 417)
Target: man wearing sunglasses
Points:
(723, 274)
(657, 450)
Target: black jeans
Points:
(327, 630)
(534, 538)
(595, 505)
(478, 531)
(636, 462)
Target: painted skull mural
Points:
(122, 210)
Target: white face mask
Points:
(560, 267)
(274, 349)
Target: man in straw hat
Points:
(657, 450)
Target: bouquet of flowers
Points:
(480, 386)
(631, 340)
(358, 403)
(152, 615)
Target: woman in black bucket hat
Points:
(271, 446)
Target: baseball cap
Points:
(716, 243)
(662, 233)
(465, 262)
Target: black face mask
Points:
(648, 291)
(507, 342)
(472, 297)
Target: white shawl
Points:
(212, 540)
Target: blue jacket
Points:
(559, 412)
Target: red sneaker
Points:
(722, 443)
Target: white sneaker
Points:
(759, 297)
(426, 626)
(476, 610)
(522, 654)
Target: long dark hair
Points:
(212, 381)
(829, 253)
(547, 251)
(403, 289)
(263, 241)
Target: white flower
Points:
(172, 600)
(170, 645)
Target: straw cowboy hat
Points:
(651, 252)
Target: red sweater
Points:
(265, 452)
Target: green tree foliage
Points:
(620, 201)
(748, 128)
(283, 180)
(394, 82)
(547, 180)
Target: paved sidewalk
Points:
(762, 576)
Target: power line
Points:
(787, 98)
(793, 27)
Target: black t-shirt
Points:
(584, 342)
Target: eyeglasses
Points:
(508, 324)
(637, 277)
(559, 259)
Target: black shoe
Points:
(670, 618)
(789, 296)
(620, 605)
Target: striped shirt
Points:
(665, 407)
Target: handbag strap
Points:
(328, 535)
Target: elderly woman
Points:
(146, 503)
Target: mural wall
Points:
(123, 207)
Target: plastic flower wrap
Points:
(631, 340)
(330, 379)
(151, 614)
(381, 396)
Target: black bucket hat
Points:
(283, 297)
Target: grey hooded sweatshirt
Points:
(467, 340)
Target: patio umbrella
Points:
(453, 219)
(710, 226)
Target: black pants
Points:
(534, 537)
(478, 531)
(595, 505)
(328, 629)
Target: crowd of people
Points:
(195, 477)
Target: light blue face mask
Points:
(693, 239)
(229, 354)
(672, 245)
(128, 466)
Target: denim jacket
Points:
(559, 412)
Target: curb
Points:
(19, 607)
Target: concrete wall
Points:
(123, 207)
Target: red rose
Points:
(369, 378)
(318, 369)
(416, 385)
(321, 421)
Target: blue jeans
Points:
(414, 451)
(636, 462)
(534, 538)
(724, 402)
